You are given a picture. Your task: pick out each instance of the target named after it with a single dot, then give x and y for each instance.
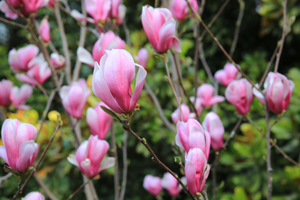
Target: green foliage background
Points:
(241, 173)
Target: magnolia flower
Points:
(278, 91)
(170, 183)
(228, 74)
(98, 9)
(239, 94)
(112, 78)
(186, 114)
(205, 93)
(7, 11)
(214, 126)
(192, 135)
(180, 8)
(143, 57)
(19, 150)
(14, 3)
(89, 156)
(74, 97)
(58, 61)
(114, 11)
(121, 14)
(18, 96)
(45, 30)
(34, 196)
(160, 27)
(31, 6)
(152, 184)
(5, 88)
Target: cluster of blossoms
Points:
(154, 185)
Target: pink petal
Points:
(85, 57)
(26, 150)
(3, 154)
(109, 162)
(190, 174)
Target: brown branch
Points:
(13, 23)
(45, 188)
(3, 178)
(78, 189)
(196, 55)
(204, 63)
(116, 166)
(125, 166)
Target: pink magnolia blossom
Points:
(214, 126)
(15, 3)
(112, 78)
(19, 96)
(74, 97)
(239, 94)
(180, 8)
(192, 135)
(7, 11)
(186, 114)
(5, 88)
(152, 184)
(160, 27)
(98, 120)
(34, 196)
(196, 170)
(20, 59)
(121, 14)
(107, 41)
(45, 30)
(31, 6)
(58, 61)
(80, 17)
(114, 11)
(171, 184)
(205, 93)
(98, 9)
(19, 150)
(278, 90)
(228, 74)
(143, 57)
(38, 72)
(89, 157)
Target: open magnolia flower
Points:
(186, 114)
(152, 184)
(112, 79)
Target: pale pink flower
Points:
(20, 59)
(205, 93)
(74, 97)
(192, 135)
(186, 114)
(7, 11)
(170, 183)
(112, 79)
(19, 96)
(143, 57)
(239, 93)
(214, 126)
(196, 170)
(98, 9)
(152, 184)
(89, 157)
(121, 14)
(180, 8)
(34, 196)
(98, 120)
(58, 61)
(278, 90)
(5, 88)
(228, 74)
(160, 27)
(45, 30)
(19, 150)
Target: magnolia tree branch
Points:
(3, 178)
(125, 166)
(116, 166)
(13, 23)
(237, 27)
(196, 55)
(204, 63)
(282, 37)
(268, 67)
(45, 188)
(78, 189)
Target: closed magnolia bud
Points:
(186, 114)
(180, 8)
(205, 93)
(114, 11)
(196, 170)
(89, 156)
(121, 14)
(152, 184)
(31, 6)
(228, 74)
(112, 79)
(98, 120)
(7, 11)
(160, 27)
(214, 126)
(143, 57)
(19, 96)
(192, 135)
(170, 183)
(74, 97)
(5, 88)
(58, 61)
(239, 93)
(34, 196)
(45, 30)
(14, 3)
(20, 59)
(19, 150)
(278, 91)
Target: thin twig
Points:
(19, 188)
(52, 47)
(13, 23)
(125, 166)
(116, 166)
(232, 132)
(38, 163)
(196, 55)
(64, 42)
(45, 188)
(3, 178)
(81, 42)
(160, 111)
(127, 34)
(221, 47)
(282, 37)
(78, 189)
(216, 89)
(204, 63)
(237, 27)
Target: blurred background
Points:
(241, 173)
